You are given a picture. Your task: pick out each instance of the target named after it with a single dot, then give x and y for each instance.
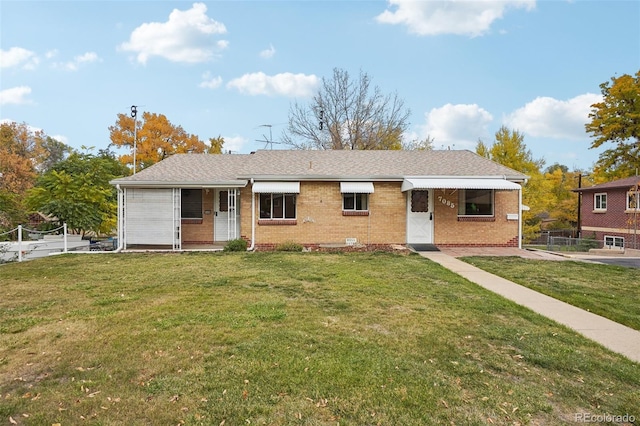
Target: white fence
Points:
(38, 243)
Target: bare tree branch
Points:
(347, 114)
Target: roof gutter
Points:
(343, 178)
(179, 184)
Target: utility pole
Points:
(134, 113)
(579, 205)
(580, 176)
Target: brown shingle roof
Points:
(626, 183)
(314, 165)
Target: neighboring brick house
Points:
(610, 212)
(321, 198)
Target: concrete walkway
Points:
(616, 337)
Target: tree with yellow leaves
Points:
(510, 150)
(616, 121)
(24, 152)
(156, 139)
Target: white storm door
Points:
(420, 216)
(221, 215)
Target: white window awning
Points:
(356, 187)
(458, 183)
(276, 187)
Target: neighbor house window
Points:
(633, 200)
(277, 206)
(355, 202)
(613, 242)
(475, 202)
(191, 203)
(600, 201)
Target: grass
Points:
(286, 339)
(610, 291)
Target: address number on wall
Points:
(446, 202)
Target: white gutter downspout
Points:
(520, 218)
(120, 208)
(253, 220)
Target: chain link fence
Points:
(566, 240)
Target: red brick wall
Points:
(614, 221)
(613, 217)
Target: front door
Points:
(226, 227)
(420, 216)
(221, 218)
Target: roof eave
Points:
(237, 183)
(376, 178)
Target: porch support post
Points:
(253, 219)
(122, 243)
(19, 243)
(66, 246)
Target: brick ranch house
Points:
(610, 212)
(369, 199)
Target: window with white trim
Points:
(613, 242)
(475, 202)
(355, 202)
(600, 201)
(277, 206)
(633, 200)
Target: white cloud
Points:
(188, 36)
(551, 118)
(209, 82)
(460, 125)
(472, 18)
(15, 95)
(233, 143)
(268, 53)
(87, 58)
(61, 138)
(18, 57)
(35, 130)
(73, 65)
(285, 84)
(51, 54)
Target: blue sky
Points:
(463, 68)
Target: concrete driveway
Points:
(500, 251)
(629, 262)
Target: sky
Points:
(235, 68)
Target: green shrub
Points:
(588, 243)
(289, 246)
(236, 245)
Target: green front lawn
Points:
(287, 339)
(610, 291)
